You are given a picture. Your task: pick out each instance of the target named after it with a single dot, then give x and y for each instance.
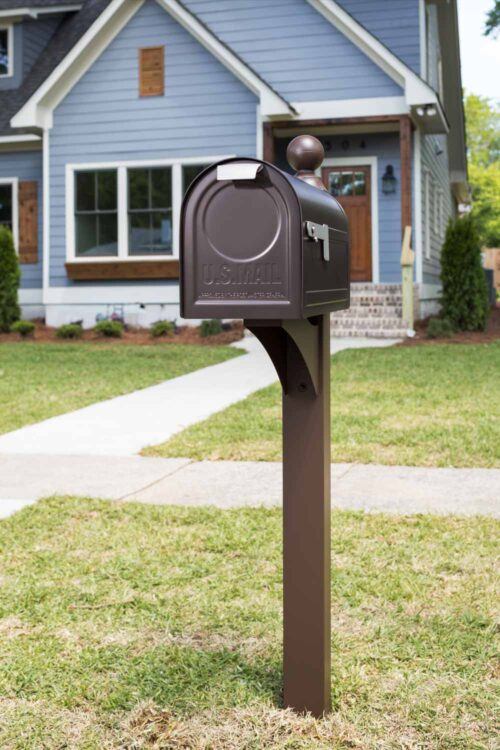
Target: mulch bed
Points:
(492, 333)
(141, 336)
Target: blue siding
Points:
(295, 49)
(394, 22)
(36, 35)
(434, 151)
(205, 111)
(27, 165)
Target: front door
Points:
(351, 187)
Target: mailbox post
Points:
(272, 249)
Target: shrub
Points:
(162, 328)
(440, 328)
(23, 327)
(69, 331)
(465, 295)
(9, 280)
(112, 329)
(210, 328)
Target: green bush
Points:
(162, 328)
(112, 329)
(69, 331)
(9, 280)
(440, 328)
(23, 327)
(210, 328)
(465, 295)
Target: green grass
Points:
(425, 405)
(129, 627)
(38, 381)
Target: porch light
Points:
(388, 180)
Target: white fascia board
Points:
(416, 90)
(21, 138)
(37, 111)
(271, 103)
(338, 108)
(19, 13)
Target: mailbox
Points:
(258, 243)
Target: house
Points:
(109, 108)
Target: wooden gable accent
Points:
(151, 71)
(28, 221)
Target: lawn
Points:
(131, 627)
(422, 405)
(38, 380)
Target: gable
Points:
(105, 112)
(295, 49)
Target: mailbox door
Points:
(241, 244)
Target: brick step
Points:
(381, 333)
(379, 299)
(369, 312)
(367, 324)
(358, 286)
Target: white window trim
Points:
(365, 161)
(122, 205)
(14, 182)
(9, 28)
(427, 212)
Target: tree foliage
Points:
(483, 150)
(493, 20)
(465, 297)
(9, 280)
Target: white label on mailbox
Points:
(238, 171)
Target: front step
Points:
(375, 311)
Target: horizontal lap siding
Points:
(205, 111)
(394, 22)
(27, 165)
(295, 49)
(437, 165)
(36, 35)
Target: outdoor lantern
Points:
(388, 180)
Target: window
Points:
(6, 205)
(96, 213)
(126, 211)
(6, 56)
(347, 183)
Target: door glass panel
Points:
(347, 183)
(334, 183)
(359, 183)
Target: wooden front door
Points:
(351, 186)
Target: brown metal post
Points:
(306, 536)
(300, 351)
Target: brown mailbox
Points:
(257, 243)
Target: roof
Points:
(66, 36)
(14, 4)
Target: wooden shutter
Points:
(151, 71)
(28, 222)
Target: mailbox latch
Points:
(319, 232)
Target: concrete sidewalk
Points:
(125, 425)
(229, 484)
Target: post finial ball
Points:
(305, 153)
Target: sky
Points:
(480, 55)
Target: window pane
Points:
(5, 204)
(161, 188)
(347, 186)
(86, 234)
(359, 183)
(189, 173)
(107, 234)
(334, 183)
(139, 233)
(162, 233)
(106, 189)
(85, 191)
(138, 188)
(4, 52)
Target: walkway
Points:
(125, 425)
(229, 484)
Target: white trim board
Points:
(108, 294)
(417, 206)
(338, 108)
(122, 204)
(38, 110)
(365, 161)
(14, 182)
(30, 296)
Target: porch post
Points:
(405, 156)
